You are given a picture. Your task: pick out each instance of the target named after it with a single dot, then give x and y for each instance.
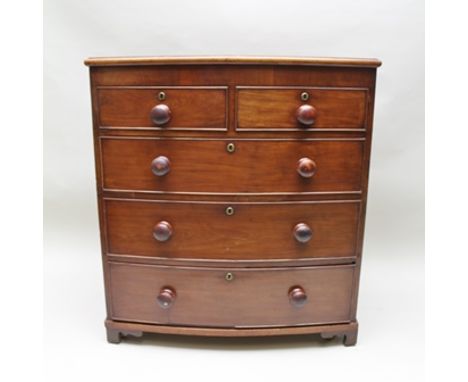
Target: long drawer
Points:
(226, 298)
(215, 230)
(231, 166)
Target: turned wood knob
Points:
(166, 297)
(306, 114)
(162, 231)
(302, 233)
(297, 296)
(160, 166)
(160, 114)
(306, 167)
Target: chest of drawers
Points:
(232, 193)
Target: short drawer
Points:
(192, 108)
(242, 231)
(231, 298)
(231, 166)
(301, 108)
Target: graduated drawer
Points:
(226, 298)
(254, 166)
(301, 108)
(215, 230)
(183, 108)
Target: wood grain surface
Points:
(240, 60)
(276, 108)
(254, 167)
(202, 230)
(190, 108)
(118, 329)
(255, 297)
(284, 280)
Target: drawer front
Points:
(183, 108)
(254, 166)
(243, 231)
(282, 108)
(245, 298)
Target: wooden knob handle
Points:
(160, 114)
(166, 297)
(302, 233)
(306, 114)
(297, 296)
(160, 166)
(162, 231)
(306, 167)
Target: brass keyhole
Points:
(230, 147)
(229, 211)
(304, 96)
(229, 276)
(162, 96)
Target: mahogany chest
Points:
(232, 193)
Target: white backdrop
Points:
(391, 298)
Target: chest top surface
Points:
(236, 60)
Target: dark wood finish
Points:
(166, 297)
(251, 103)
(256, 166)
(239, 197)
(202, 230)
(158, 77)
(282, 108)
(255, 297)
(231, 263)
(306, 114)
(297, 296)
(306, 167)
(160, 165)
(184, 108)
(160, 114)
(326, 331)
(162, 231)
(302, 233)
(237, 60)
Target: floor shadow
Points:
(234, 343)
